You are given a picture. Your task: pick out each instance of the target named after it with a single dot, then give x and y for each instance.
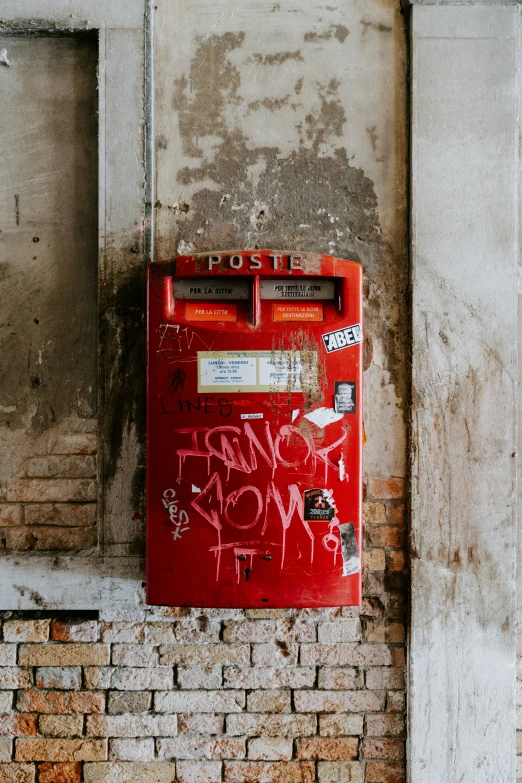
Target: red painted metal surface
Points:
(254, 441)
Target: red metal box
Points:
(254, 439)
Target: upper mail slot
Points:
(209, 289)
(292, 289)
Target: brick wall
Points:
(51, 503)
(158, 694)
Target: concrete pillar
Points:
(464, 263)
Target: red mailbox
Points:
(254, 443)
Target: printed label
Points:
(210, 289)
(297, 289)
(342, 338)
(256, 371)
(203, 312)
(230, 373)
(345, 397)
(251, 415)
(291, 312)
(319, 505)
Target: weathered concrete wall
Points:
(465, 108)
(48, 319)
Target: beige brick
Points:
(63, 654)
(159, 633)
(205, 654)
(62, 514)
(374, 514)
(338, 701)
(14, 725)
(130, 772)
(26, 630)
(194, 677)
(268, 614)
(384, 725)
(185, 747)
(63, 702)
(121, 702)
(131, 749)
(271, 725)
(6, 750)
(61, 466)
(17, 773)
(339, 772)
(129, 679)
(61, 725)
(375, 631)
(386, 488)
(339, 678)
(7, 654)
(347, 654)
(60, 772)
(200, 630)
(389, 536)
(397, 560)
(348, 630)
(131, 725)
(326, 748)
(396, 701)
(278, 653)
(59, 677)
(269, 701)
(249, 631)
(340, 725)
(199, 701)
(81, 443)
(380, 679)
(269, 771)
(383, 748)
(206, 723)
(15, 677)
(45, 538)
(6, 701)
(270, 749)
(134, 655)
(122, 632)
(374, 560)
(198, 771)
(380, 772)
(49, 490)
(10, 515)
(269, 677)
(29, 749)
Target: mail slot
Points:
(254, 430)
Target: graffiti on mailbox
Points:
(243, 450)
(178, 517)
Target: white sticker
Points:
(321, 417)
(280, 370)
(251, 415)
(234, 371)
(257, 371)
(342, 338)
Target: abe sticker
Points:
(319, 505)
(342, 338)
(345, 397)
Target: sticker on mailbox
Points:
(319, 505)
(342, 338)
(256, 371)
(345, 397)
(210, 312)
(295, 312)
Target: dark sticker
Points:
(342, 338)
(350, 550)
(319, 505)
(345, 400)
